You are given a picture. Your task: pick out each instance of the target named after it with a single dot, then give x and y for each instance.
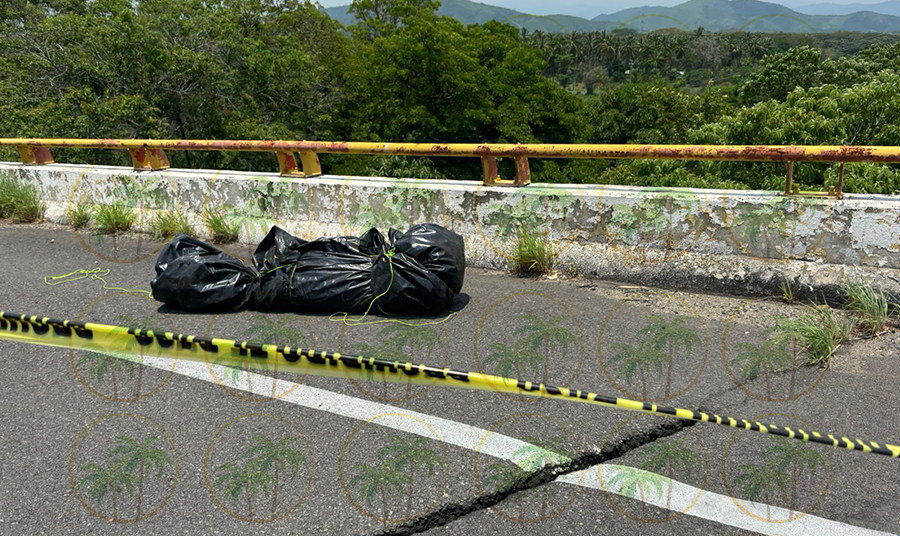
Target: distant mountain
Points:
(713, 15)
(734, 14)
(475, 13)
(891, 7)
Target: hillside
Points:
(713, 15)
(891, 7)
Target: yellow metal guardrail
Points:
(150, 154)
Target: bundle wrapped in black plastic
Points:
(416, 272)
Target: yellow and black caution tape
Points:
(113, 339)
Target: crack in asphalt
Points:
(451, 512)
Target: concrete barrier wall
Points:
(735, 241)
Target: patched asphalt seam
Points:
(449, 513)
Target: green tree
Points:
(249, 479)
(372, 479)
(794, 454)
(550, 334)
(113, 479)
(133, 453)
(268, 454)
(413, 454)
(632, 358)
(675, 334)
(663, 454)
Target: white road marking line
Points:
(710, 506)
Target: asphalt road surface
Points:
(216, 450)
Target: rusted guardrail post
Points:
(287, 164)
(33, 155)
(491, 176)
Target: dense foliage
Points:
(282, 69)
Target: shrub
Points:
(20, 201)
(81, 214)
(221, 228)
(532, 253)
(168, 224)
(113, 218)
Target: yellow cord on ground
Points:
(96, 274)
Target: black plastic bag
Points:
(416, 272)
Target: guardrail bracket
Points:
(36, 156)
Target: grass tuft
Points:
(532, 253)
(787, 292)
(20, 201)
(81, 214)
(167, 224)
(821, 331)
(222, 230)
(872, 308)
(113, 218)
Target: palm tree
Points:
(105, 360)
(631, 359)
(249, 216)
(102, 480)
(134, 192)
(519, 356)
(133, 347)
(772, 354)
(504, 477)
(133, 453)
(399, 335)
(413, 454)
(248, 478)
(631, 479)
(270, 454)
(550, 334)
(234, 363)
(386, 351)
(756, 479)
(675, 334)
(669, 454)
(795, 454)
(673, 199)
(371, 479)
(535, 456)
(280, 332)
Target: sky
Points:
(591, 8)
